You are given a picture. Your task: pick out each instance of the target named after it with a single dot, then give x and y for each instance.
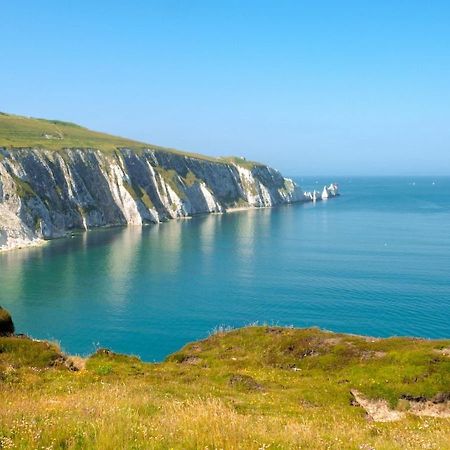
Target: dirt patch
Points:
(191, 360)
(443, 351)
(196, 348)
(367, 338)
(372, 355)
(376, 410)
(436, 406)
(274, 330)
(379, 411)
(430, 409)
(441, 397)
(303, 350)
(332, 341)
(245, 382)
(104, 352)
(78, 362)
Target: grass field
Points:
(257, 387)
(27, 132)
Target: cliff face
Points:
(44, 193)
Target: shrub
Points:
(6, 323)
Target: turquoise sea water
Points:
(375, 261)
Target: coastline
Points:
(20, 244)
(230, 330)
(247, 208)
(23, 244)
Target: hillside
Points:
(20, 132)
(28, 132)
(257, 387)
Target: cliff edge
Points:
(251, 388)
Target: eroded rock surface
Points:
(44, 194)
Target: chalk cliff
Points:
(46, 192)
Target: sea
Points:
(374, 261)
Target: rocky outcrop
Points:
(45, 194)
(6, 323)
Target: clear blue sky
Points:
(311, 87)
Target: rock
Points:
(64, 362)
(6, 323)
(46, 194)
(104, 352)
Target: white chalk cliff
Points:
(45, 194)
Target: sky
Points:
(310, 87)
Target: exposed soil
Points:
(379, 410)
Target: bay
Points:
(375, 261)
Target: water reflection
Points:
(149, 290)
(209, 227)
(120, 262)
(13, 268)
(246, 233)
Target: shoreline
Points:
(248, 208)
(222, 332)
(39, 242)
(35, 243)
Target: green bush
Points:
(6, 323)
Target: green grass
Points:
(240, 161)
(137, 193)
(170, 176)
(190, 179)
(23, 188)
(257, 387)
(27, 132)
(17, 132)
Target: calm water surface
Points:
(374, 261)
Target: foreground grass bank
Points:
(257, 387)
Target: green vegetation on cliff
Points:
(27, 132)
(257, 387)
(18, 132)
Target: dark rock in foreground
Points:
(6, 323)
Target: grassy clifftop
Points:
(27, 132)
(257, 387)
(18, 131)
